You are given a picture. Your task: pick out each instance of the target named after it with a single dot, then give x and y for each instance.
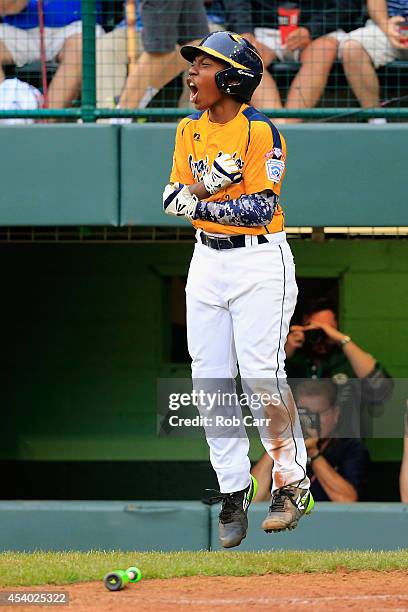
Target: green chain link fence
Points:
(88, 111)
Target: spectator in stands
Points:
(20, 42)
(112, 59)
(239, 16)
(318, 349)
(376, 44)
(112, 51)
(314, 44)
(166, 23)
(232, 15)
(337, 467)
(404, 464)
(257, 21)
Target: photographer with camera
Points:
(337, 467)
(318, 349)
(324, 349)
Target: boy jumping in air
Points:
(228, 166)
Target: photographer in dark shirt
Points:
(337, 467)
(318, 349)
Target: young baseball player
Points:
(228, 166)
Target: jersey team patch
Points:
(275, 153)
(274, 169)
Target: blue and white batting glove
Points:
(178, 201)
(223, 173)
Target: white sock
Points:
(377, 120)
(120, 120)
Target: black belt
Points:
(229, 242)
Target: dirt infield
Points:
(374, 591)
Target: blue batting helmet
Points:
(245, 69)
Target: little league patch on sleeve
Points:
(274, 169)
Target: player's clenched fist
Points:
(178, 201)
(224, 172)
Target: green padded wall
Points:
(59, 175)
(80, 174)
(338, 175)
(146, 157)
(128, 526)
(171, 525)
(82, 341)
(362, 526)
(345, 174)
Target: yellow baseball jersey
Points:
(257, 147)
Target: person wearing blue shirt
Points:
(337, 466)
(383, 39)
(20, 42)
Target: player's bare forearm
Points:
(337, 488)
(199, 190)
(12, 7)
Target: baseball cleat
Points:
(288, 505)
(233, 519)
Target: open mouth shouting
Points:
(193, 90)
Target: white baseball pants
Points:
(239, 305)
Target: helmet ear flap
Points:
(237, 82)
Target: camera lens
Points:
(313, 337)
(308, 421)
